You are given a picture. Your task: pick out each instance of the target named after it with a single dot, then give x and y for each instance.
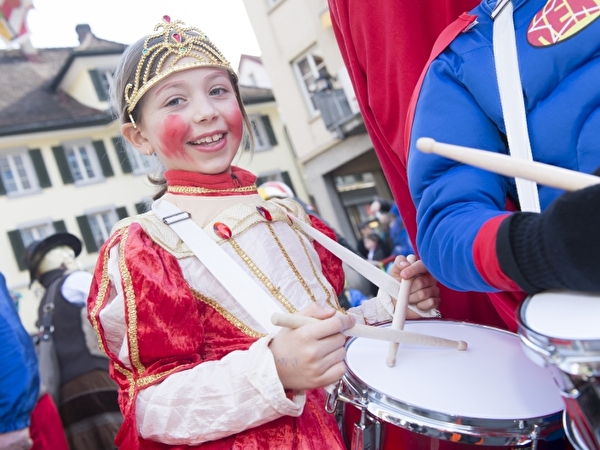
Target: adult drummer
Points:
(468, 236)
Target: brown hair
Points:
(125, 74)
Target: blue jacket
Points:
(459, 104)
(19, 379)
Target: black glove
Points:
(556, 249)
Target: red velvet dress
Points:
(170, 326)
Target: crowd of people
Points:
(192, 361)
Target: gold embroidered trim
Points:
(102, 290)
(134, 351)
(191, 190)
(129, 376)
(227, 315)
(145, 381)
(294, 268)
(262, 277)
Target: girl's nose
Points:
(205, 112)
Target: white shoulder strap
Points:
(511, 98)
(233, 278)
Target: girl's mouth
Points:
(208, 140)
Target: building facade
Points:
(319, 109)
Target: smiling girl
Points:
(194, 367)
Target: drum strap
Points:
(511, 99)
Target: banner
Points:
(13, 15)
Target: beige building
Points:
(319, 108)
(63, 166)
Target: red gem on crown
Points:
(222, 230)
(265, 213)
(177, 37)
(167, 19)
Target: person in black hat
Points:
(88, 396)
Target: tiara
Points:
(171, 42)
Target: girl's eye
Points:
(218, 91)
(174, 101)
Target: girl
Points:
(193, 366)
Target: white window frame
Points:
(101, 222)
(306, 81)
(35, 231)
(140, 164)
(82, 150)
(17, 186)
(261, 138)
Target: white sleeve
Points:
(375, 310)
(76, 287)
(210, 401)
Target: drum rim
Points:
(434, 424)
(573, 356)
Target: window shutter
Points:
(40, 168)
(86, 233)
(122, 155)
(63, 165)
(18, 247)
(103, 158)
(59, 226)
(141, 207)
(2, 188)
(97, 80)
(122, 212)
(287, 180)
(269, 129)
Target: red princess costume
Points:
(193, 367)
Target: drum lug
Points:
(332, 398)
(366, 434)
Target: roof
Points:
(29, 98)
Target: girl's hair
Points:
(125, 74)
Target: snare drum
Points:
(440, 398)
(561, 330)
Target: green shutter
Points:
(141, 207)
(97, 80)
(40, 168)
(86, 233)
(59, 226)
(122, 155)
(122, 212)
(267, 123)
(63, 165)
(18, 247)
(2, 188)
(103, 158)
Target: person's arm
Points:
(19, 379)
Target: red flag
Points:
(13, 15)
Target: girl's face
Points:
(192, 121)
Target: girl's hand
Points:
(424, 293)
(312, 356)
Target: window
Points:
(131, 160)
(18, 173)
(103, 80)
(264, 137)
(308, 68)
(95, 226)
(82, 162)
(272, 3)
(27, 233)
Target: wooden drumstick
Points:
(400, 313)
(379, 333)
(509, 166)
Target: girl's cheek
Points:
(236, 125)
(172, 136)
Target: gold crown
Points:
(171, 42)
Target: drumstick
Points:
(400, 313)
(379, 333)
(509, 166)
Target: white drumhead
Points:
(563, 315)
(492, 379)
